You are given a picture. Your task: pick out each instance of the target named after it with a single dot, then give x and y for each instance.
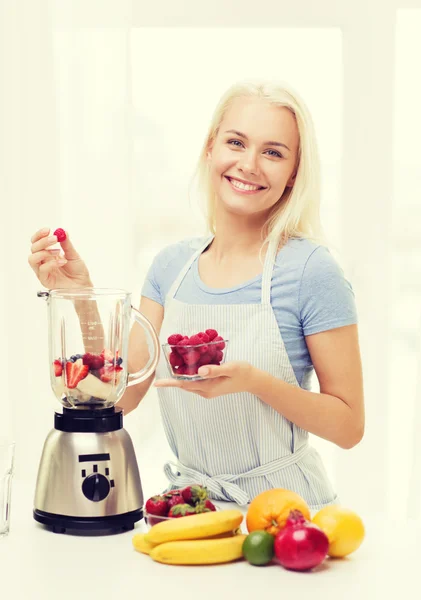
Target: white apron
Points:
(236, 445)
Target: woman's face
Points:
(254, 155)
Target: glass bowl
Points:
(151, 520)
(184, 361)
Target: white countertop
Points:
(38, 564)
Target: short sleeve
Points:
(151, 288)
(326, 298)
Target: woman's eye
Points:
(235, 142)
(238, 144)
(276, 154)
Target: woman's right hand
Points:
(53, 269)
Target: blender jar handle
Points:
(144, 373)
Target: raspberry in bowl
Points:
(186, 354)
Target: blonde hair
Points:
(297, 212)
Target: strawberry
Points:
(94, 361)
(175, 360)
(58, 368)
(172, 493)
(175, 499)
(110, 373)
(181, 510)
(157, 505)
(75, 372)
(194, 494)
(107, 355)
(61, 234)
(174, 338)
(208, 504)
(211, 333)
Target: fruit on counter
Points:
(157, 505)
(195, 526)
(142, 545)
(173, 500)
(300, 545)
(61, 234)
(269, 510)
(75, 372)
(181, 510)
(343, 527)
(208, 504)
(193, 494)
(199, 551)
(258, 548)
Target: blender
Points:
(88, 477)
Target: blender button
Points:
(83, 473)
(95, 468)
(107, 471)
(112, 482)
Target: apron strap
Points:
(268, 270)
(173, 289)
(222, 485)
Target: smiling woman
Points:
(264, 280)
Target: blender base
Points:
(86, 525)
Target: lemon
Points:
(343, 527)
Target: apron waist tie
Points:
(222, 485)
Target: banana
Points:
(194, 527)
(199, 552)
(140, 544)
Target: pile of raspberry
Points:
(190, 353)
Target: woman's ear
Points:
(291, 180)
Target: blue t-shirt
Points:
(309, 293)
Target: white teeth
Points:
(243, 186)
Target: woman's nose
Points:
(248, 163)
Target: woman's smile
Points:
(242, 187)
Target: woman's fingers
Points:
(47, 267)
(43, 243)
(42, 256)
(69, 250)
(40, 234)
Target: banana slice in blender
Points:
(93, 386)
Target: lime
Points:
(258, 547)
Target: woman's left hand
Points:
(228, 378)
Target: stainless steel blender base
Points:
(88, 481)
(98, 525)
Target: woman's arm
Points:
(337, 412)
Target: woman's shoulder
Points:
(178, 252)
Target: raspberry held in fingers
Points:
(61, 234)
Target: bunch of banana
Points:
(203, 539)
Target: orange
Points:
(270, 510)
(343, 527)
